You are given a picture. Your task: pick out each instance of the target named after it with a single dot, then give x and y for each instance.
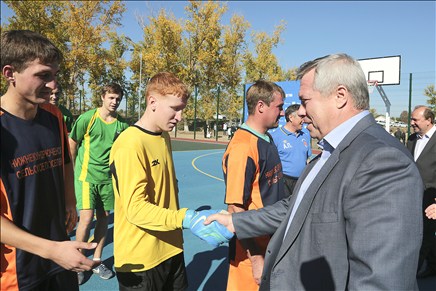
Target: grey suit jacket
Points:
(359, 226)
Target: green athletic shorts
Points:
(94, 196)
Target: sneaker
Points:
(103, 272)
(80, 277)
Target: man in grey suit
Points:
(354, 220)
(422, 145)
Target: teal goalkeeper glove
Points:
(214, 233)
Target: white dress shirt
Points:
(329, 143)
(422, 142)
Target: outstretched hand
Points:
(213, 233)
(223, 218)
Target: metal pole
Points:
(140, 85)
(410, 105)
(195, 110)
(127, 115)
(217, 112)
(243, 106)
(80, 102)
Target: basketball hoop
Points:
(371, 86)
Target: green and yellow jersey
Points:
(95, 137)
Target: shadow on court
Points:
(201, 265)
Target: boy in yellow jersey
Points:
(91, 139)
(148, 241)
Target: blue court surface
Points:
(201, 185)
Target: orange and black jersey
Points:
(252, 171)
(33, 154)
(254, 179)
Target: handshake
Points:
(214, 233)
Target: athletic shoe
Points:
(80, 277)
(103, 272)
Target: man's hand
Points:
(257, 262)
(223, 219)
(213, 233)
(430, 211)
(67, 255)
(70, 215)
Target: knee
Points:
(86, 219)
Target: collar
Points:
(258, 134)
(334, 137)
(287, 132)
(429, 133)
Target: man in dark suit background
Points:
(354, 220)
(422, 145)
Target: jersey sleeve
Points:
(79, 128)
(240, 171)
(131, 184)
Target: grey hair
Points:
(334, 70)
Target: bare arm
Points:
(73, 150)
(70, 198)
(65, 253)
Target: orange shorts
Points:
(241, 277)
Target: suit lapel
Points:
(306, 202)
(312, 191)
(411, 144)
(427, 147)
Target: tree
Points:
(374, 113)
(160, 48)
(404, 116)
(204, 49)
(264, 64)
(232, 66)
(80, 29)
(430, 92)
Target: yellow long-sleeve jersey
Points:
(147, 225)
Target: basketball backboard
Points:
(384, 70)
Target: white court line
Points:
(204, 173)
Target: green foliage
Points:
(80, 29)
(430, 92)
(199, 49)
(264, 64)
(404, 116)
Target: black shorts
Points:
(168, 275)
(62, 281)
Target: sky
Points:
(362, 29)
